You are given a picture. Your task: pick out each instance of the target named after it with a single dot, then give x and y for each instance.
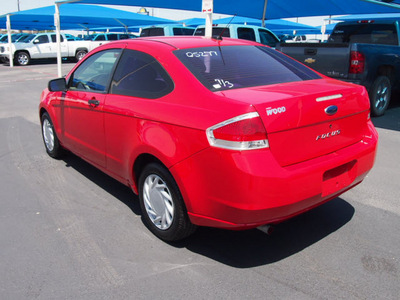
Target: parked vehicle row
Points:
(43, 45)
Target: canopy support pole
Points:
(208, 9)
(125, 26)
(58, 38)
(10, 56)
(264, 13)
(209, 21)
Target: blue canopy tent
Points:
(391, 17)
(76, 17)
(269, 9)
(281, 26)
(262, 9)
(80, 16)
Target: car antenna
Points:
(226, 27)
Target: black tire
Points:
(50, 139)
(80, 54)
(163, 209)
(22, 58)
(379, 95)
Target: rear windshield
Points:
(156, 31)
(232, 67)
(182, 31)
(364, 33)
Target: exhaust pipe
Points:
(267, 228)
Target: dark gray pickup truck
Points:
(362, 52)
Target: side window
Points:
(267, 38)
(246, 34)
(182, 31)
(154, 31)
(41, 39)
(54, 38)
(112, 37)
(140, 75)
(94, 73)
(100, 37)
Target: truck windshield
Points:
(232, 67)
(364, 33)
(28, 38)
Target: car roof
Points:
(183, 42)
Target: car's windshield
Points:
(231, 67)
(27, 38)
(14, 38)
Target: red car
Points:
(223, 133)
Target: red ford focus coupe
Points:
(209, 132)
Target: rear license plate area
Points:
(338, 178)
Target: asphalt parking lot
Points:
(67, 231)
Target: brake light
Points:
(357, 62)
(365, 21)
(245, 132)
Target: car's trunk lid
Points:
(311, 119)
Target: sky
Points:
(8, 6)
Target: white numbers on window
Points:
(220, 83)
(201, 54)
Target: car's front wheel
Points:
(163, 209)
(22, 58)
(50, 139)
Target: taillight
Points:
(245, 132)
(357, 62)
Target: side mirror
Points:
(57, 85)
(36, 41)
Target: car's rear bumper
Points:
(247, 189)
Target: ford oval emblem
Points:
(331, 110)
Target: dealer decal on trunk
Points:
(274, 111)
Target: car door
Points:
(82, 105)
(53, 44)
(42, 46)
(138, 79)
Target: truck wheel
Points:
(379, 95)
(80, 54)
(22, 58)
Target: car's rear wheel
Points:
(379, 95)
(80, 54)
(22, 58)
(50, 139)
(163, 209)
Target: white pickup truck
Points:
(238, 31)
(43, 45)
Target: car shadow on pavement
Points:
(391, 118)
(121, 192)
(251, 248)
(240, 249)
